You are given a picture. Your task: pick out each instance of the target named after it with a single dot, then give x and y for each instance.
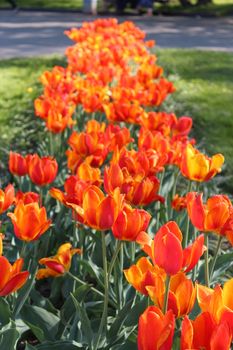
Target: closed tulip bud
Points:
(42, 171)
(29, 221)
(59, 264)
(17, 164)
(12, 277)
(6, 198)
(198, 167)
(155, 330)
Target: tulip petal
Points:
(14, 283)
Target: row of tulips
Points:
(128, 180)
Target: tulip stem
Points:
(118, 247)
(176, 175)
(167, 287)
(206, 254)
(186, 237)
(91, 288)
(103, 322)
(215, 256)
(159, 204)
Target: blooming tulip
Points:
(17, 164)
(155, 330)
(218, 302)
(166, 250)
(198, 167)
(144, 274)
(98, 211)
(59, 264)
(214, 216)
(6, 198)
(27, 197)
(129, 223)
(42, 171)
(11, 277)
(29, 221)
(204, 333)
(178, 203)
(181, 297)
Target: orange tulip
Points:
(27, 197)
(12, 277)
(42, 171)
(166, 251)
(29, 221)
(214, 216)
(198, 167)
(17, 164)
(130, 171)
(144, 274)
(155, 330)
(98, 211)
(117, 137)
(6, 198)
(89, 174)
(178, 203)
(181, 297)
(59, 264)
(204, 333)
(218, 302)
(74, 189)
(129, 223)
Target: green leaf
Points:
(29, 347)
(40, 320)
(119, 320)
(5, 312)
(85, 322)
(58, 345)
(67, 309)
(9, 338)
(135, 312)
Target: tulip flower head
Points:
(29, 221)
(129, 223)
(198, 167)
(12, 277)
(59, 264)
(155, 330)
(17, 164)
(99, 211)
(6, 198)
(214, 216)
(166, 250)
(42, 171)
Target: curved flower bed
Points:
(113, 238)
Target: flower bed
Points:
(114, 246)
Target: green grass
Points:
(204, 82)
(216, 8)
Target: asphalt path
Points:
(35, 33)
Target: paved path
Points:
(30, 33)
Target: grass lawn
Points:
(204, 82)
(215, 8)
